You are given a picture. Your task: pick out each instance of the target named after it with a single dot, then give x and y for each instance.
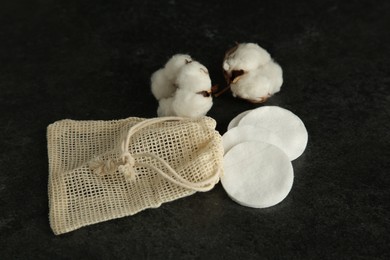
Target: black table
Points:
(92, 60)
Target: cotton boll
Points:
(163, 80)
(194, 77)
(191, 96)
(174, 64)
(189, 104)
(251, 73)
(185, 103)
(275, 74)
(259, 84)
(253, 86)
(165, 107)
(161, 86)
(244, 57)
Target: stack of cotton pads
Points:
(259, 147)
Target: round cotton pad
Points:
(237, 119)
(257, 174)
(287, 126)
(245, 133)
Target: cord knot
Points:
(128, 158)
(102, 167)
(127, 169)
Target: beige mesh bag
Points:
(101, 170)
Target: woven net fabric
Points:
(101, 170)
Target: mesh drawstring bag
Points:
(101, 170)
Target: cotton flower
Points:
(245, 56)
(191, 104)
(163, 80)
(161, 86)
(174, 64)
(194, 76)
(165, 107)
(251, 73)
(192, 97)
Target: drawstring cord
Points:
(127, 163)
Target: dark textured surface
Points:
(93, 60)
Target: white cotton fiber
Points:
(283, 123)
(252, 86)
(183, 88)
(257, 174)
(174, 64)
(190, 104)
(163, 80)
(259, 84)
(247, 56)
(194, 77)
(185, 104)
(160, 85)
(165, 107)
(274, 73)
(251, 73)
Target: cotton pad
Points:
(237, 119)
(283, 123)
(257, 174)
(246, 133)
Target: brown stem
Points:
(222, 91)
